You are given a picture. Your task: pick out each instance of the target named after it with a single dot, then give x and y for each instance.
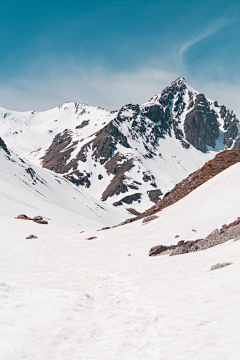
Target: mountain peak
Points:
(181, 80)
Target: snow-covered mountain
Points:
(31, 190)
(129, 157)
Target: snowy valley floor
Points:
(64, 297)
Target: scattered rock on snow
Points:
(219, 266)
(91, 238)
(36, 218)
(23, 217)
(32, 237)
(41, 221)
(149, 218)
(216, 237)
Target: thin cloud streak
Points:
(108, 89)
(97, 87)
(208, 32)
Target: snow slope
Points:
(129, 157)
(63, 297)
(25, 188)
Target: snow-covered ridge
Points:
(129, 157)
(26, 188)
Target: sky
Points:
(109, 53)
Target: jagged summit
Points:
(179, 82)
(177, 86)
(129, 157)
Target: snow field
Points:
(63, 297)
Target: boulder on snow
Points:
(219, 266)
(91, 238)
(32, 237)
(23, 217)
(37, 218)
(41, 221)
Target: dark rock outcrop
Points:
(216, 237)
(154, 195)
(117, 185)
(4, 146)
(129, 199)
(79, 178)
(32, 237)
(201, 126)
(83, 124)
(57, 155)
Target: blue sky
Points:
(109, 53)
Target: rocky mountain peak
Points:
(131, 156)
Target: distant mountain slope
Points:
(25, 188)
(130, 157)
(213, 167)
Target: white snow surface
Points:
(63, 297)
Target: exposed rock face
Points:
(213, 167)
(104, 144)
(133, 211)
(117, 185)
(154, 195)
(230, 127)
(84, 123)
(59, 152)
(201, 126)
(129, 199)
(227, 232)
(4, 146)
(79, 178)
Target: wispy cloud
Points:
(212, 29)
(96, 86)
(102, 87)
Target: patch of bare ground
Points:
(221, 162)
(216, 237)
(132, 211)
(117, 185)
(59, 152)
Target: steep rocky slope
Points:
(222, 161)
(130, 157)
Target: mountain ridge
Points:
(131, 156)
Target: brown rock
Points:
(32, 237)
(212, 168)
